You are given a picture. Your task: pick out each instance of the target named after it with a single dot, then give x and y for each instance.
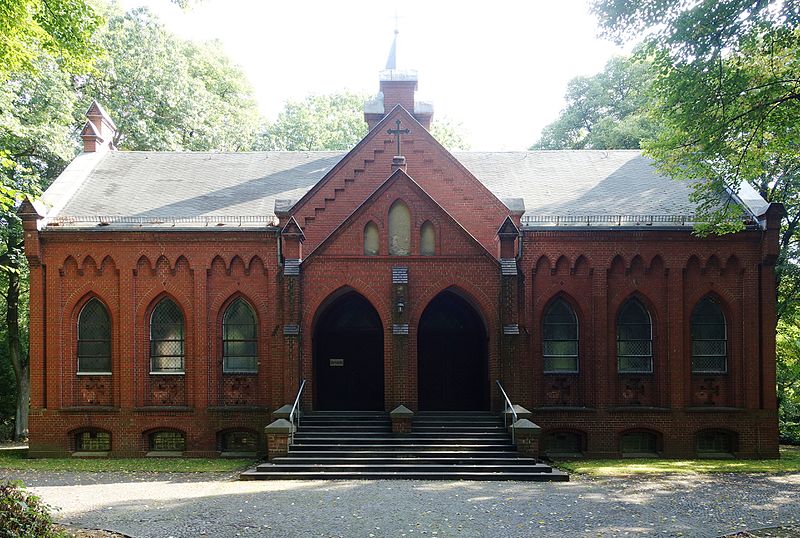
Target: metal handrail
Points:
(294, 409)
(507, 407)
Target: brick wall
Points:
(595, 271)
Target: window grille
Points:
(709, 338)
(239, 340)
(167, 441)
(239, 441)
(94, 441)
(634, 339)
(639, 443)
(715, 442)
(94, 339)
(166, 338)
(566, 443)
(560, 338)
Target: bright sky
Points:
(500, 68)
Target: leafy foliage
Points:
(61, 29)
(449, 133)
(164, 93)
(23, 514)
(605, 111)
(788, 378)
(333, 122)
(727, 96)
(169, 94)
(318, 122)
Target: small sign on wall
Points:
(336, 362)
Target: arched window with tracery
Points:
(560, 338)
(239, 340)
(709, 338)
(94, 339)
(372, 239)
(634, 338)
(399, 229)
(166, 338)
(427, 239)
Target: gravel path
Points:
(162, 505)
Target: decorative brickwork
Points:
(509, 275)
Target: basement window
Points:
(167, 441)
(239, 441)
(716, 444)
(564, 445)
(639, 445)
(93, 441)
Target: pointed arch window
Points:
(709, 338)
(427, 239)
(94, 339)
(239, 340)
(372, 239)
(166, 338)
(560, 338)
(634, 338)
(399, 229)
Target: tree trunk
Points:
(23, 400)
(19, 356)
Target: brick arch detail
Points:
(467, 290)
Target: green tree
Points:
(333, 122)
(60, 29)
(318, 122)
(604, 111)
(449, 133)
(727, 96)
(164, 93)
(169, 94)
(38, 136)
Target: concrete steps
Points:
(441, 446)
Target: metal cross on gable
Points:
(397, 132)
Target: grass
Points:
(788, 462)
(17, 459)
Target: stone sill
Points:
(239, 455)
(566, 408)
(236, 409)
(163, 454)
(712, 409)
(639, 409)
(715, 456)
(89, 409)
(163, 409)
(90, 454)
(564, 455)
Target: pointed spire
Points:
(391, 61)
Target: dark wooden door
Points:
(452, 358)
(348, 356)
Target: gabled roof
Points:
(397, 175)
(137, 188)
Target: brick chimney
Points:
(99, 131)
(397, 87)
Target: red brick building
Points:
(177, 299)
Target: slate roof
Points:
(152, 187)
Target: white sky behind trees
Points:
(500, 68)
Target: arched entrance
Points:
(452, 361)
(348, 356)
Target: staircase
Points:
(441, 446)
